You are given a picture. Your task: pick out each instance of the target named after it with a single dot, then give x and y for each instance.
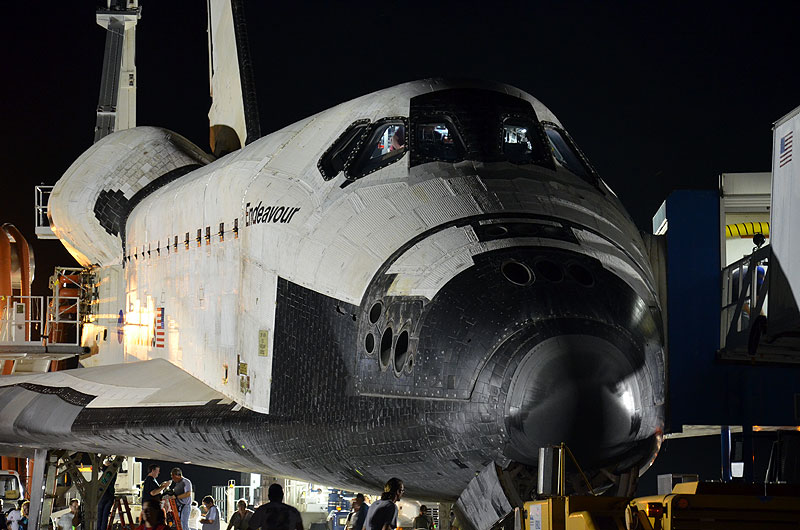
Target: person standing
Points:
(241, 517)
(14, 517)
(107, 499)
(211, 520)
(382, 514)
(423, 521)
(181, 489)
(275, 515)
(25, 510)
(361, 514)
(194, 517)
(72, 518)
(151, 489)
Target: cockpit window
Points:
(565, 153)
(385, 144)
(437, 139)
(341, 152)
(518, 145)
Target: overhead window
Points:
(564, 152)
(384, 144)
(437, 140)
(336, 158)
(491, 127)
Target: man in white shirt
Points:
(194, 517)
(14, 517)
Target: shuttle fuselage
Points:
(418, 282)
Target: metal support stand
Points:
(91, 490)
(562, 471)
(444, 515)
(725, 449)
(37, 488)
(49, 496)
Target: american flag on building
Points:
(785, 153)
(160, 331)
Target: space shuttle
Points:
(427, 282)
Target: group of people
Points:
(274, 515)
(17, 518)
(180, 488)
(382, 515)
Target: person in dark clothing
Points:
(423, 520)
(151, 489)
(383, 513)
(361, 514)
(107, 500)
(275, 515)
(240, 519)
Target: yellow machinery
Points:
(577, 512)
(717, 505)
(690, 506)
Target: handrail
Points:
(743, 300)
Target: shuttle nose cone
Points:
(578, 389)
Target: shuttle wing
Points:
(147, 409)
(233, 116)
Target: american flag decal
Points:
(785, 153)
(160, 332)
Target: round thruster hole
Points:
(401, 351)
(581, 274)
(410, 364)
(549, 270)
(386, 347)
(375, 312)
(369, 343)
(517, 273)
(496, 230)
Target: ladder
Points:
(121, 506)
(176, 515)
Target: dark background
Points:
(659, 97)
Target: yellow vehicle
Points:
(691, 505)
(717, 505)
(11, 489)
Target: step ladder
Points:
(176, 514)
(121, 507)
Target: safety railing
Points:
(22, 319)
(64, 319)
(53, 319)
(745, 286)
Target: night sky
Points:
(659, 98)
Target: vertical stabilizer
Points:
(233, 116)
(116, 108)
